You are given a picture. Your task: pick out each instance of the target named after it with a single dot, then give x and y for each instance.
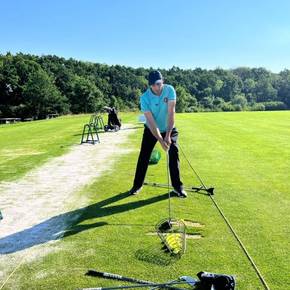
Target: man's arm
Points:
(154, 130)
(170, 120)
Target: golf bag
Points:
(209, 281)
(114, 123)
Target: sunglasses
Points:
(158, 83)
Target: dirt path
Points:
(34, 207)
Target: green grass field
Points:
(245, 156)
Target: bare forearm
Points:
(154, 130)
(170, 121)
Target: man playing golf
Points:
(158, 106)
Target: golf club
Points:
(201, 189)
(259, 274)
(94, 273)
(159, 285)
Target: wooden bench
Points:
(27, 119)
(9, 120)
(50, 116)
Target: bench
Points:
(50, 116)
(9, 120)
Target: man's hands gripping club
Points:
(166, 142)
(156, 133)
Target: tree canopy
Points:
(34, 86)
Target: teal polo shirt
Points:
(158, 105)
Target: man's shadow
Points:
(67, 224)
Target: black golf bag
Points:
(211, 281)
(114, 123)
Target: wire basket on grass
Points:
(172, 233)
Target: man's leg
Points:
(148, 143)
(174, 162)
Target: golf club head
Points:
(189, 280)
(210, 190)
(165, 226)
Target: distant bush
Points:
(228, 107)
(274, 106)
(257, 107)
(239, 102)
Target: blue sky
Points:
(147, 33)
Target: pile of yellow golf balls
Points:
(174, 242)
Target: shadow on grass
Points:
(155, 256)
(67, 224)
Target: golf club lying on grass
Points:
(201, 189)
(112, 276)
(141, 283)
(94, 273)
(153, 285)
(208, 281)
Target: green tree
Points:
(239, 101)
(207, 102)
(85, 97)
(42, 96)
(284, 87)
(218, 103)
(89, 86)
(185, 102)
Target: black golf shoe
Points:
(134, 190)
(179, 193)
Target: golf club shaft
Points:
(168, 185)
(164, 285)
(194, 171)
(210, 191)
(188, 188)
(112, 276)
(156, 287)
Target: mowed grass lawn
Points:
(245, 156)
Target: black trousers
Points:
(148, 143)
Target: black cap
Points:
(154, 76)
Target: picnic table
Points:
(9, 120)
(50, 116)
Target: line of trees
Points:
(34, 86)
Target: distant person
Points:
(158, 105)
